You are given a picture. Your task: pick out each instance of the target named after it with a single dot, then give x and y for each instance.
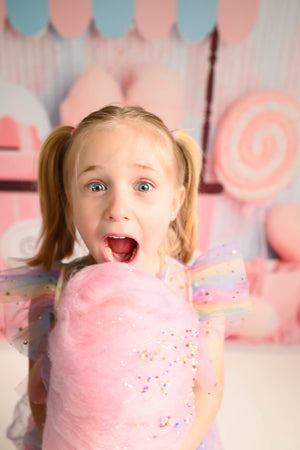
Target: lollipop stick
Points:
(209, 188)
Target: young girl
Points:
(128, 186)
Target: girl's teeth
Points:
(117, 237)
(133, 254)
(109, 254)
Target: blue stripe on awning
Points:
(113, 18)
(28, 17)
(196, 18)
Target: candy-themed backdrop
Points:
(227, 71)
(237, 91)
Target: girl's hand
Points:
(207, 404)
(37, 393)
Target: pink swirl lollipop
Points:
(257, 151)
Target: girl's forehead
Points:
(127, 139)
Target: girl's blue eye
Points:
(96, 186)
(143, 186)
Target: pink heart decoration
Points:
(155, 87)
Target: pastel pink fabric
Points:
(124, 355)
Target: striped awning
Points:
(153, 19)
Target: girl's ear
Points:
(178, 200)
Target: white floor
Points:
(13, 370)
(261, 407)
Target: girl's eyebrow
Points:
(95, 167)
(144, 167)
(89, 169)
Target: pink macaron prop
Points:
(257, 148)
(124, 356)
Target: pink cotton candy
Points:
(124, 355)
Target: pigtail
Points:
(57, 235)
(184, 227)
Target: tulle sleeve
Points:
(219, 287)
(219, 293)
(27, 294)
(27, 297)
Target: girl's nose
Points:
(117, 207)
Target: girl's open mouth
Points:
(119, 248)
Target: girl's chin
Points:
(146, 266)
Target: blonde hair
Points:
(60, 152)
(184, 227)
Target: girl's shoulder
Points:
(27, 297)
(28, 294)
(215, 283)
(24, 282)
(21, 282)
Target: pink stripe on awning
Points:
(236, 19)
(70, 18)
(2, 12)
(155, 19)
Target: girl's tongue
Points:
(120, 249)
